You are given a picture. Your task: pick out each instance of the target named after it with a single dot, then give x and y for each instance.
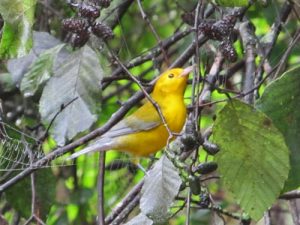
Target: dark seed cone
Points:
(204, 200)
(88, 11)
(228, 51)
(79, 39)
(225, 25)
(103, 31)
(205, 168)
(211, 31)
(219, 30)
(74, 25)
(230, 20)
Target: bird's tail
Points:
(102, 144)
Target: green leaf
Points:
(253, 159)
(75, 87)
(281, 102)
(161, 185)
(42, 41)
(40, 71)
(231, 3)
(18, 18)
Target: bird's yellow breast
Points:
(144, 143)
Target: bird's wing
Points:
(145, 118)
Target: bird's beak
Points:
(186, 71)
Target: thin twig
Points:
(126, 200)
(285, 56)
(224, 212)
(197, 76)
(149, 55)
(126, 211)
(117, 13)
(188, 208)
(277, 26)
(145, 17)
(290, 195)
(62, 108)
(267, 218)
(33, 194)
(101, 174)
(267, 43)
(179, 208)
(211, 79)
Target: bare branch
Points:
(249, 42)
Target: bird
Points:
(144, 132)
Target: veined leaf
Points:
(253, 160)
(40, 71)
(75, 87)
(161, 185)
(281, 102)
(42, 41)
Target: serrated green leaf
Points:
(76, 86)
(40, 71)
(18, 18)
(281, 102)
(231, 3)
(161, 185)
(253, 160)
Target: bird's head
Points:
(172, 81)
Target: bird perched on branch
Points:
(149, 128)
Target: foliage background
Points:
(52, 95)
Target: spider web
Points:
(19, 151)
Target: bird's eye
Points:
(171, 75)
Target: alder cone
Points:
(79, 39)
(103, 31)
(228, 51)
(219, 30)
(89, 11)
(74, 25)
(211, 31)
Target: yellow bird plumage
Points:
(143, 132)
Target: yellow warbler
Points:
(143, 132)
